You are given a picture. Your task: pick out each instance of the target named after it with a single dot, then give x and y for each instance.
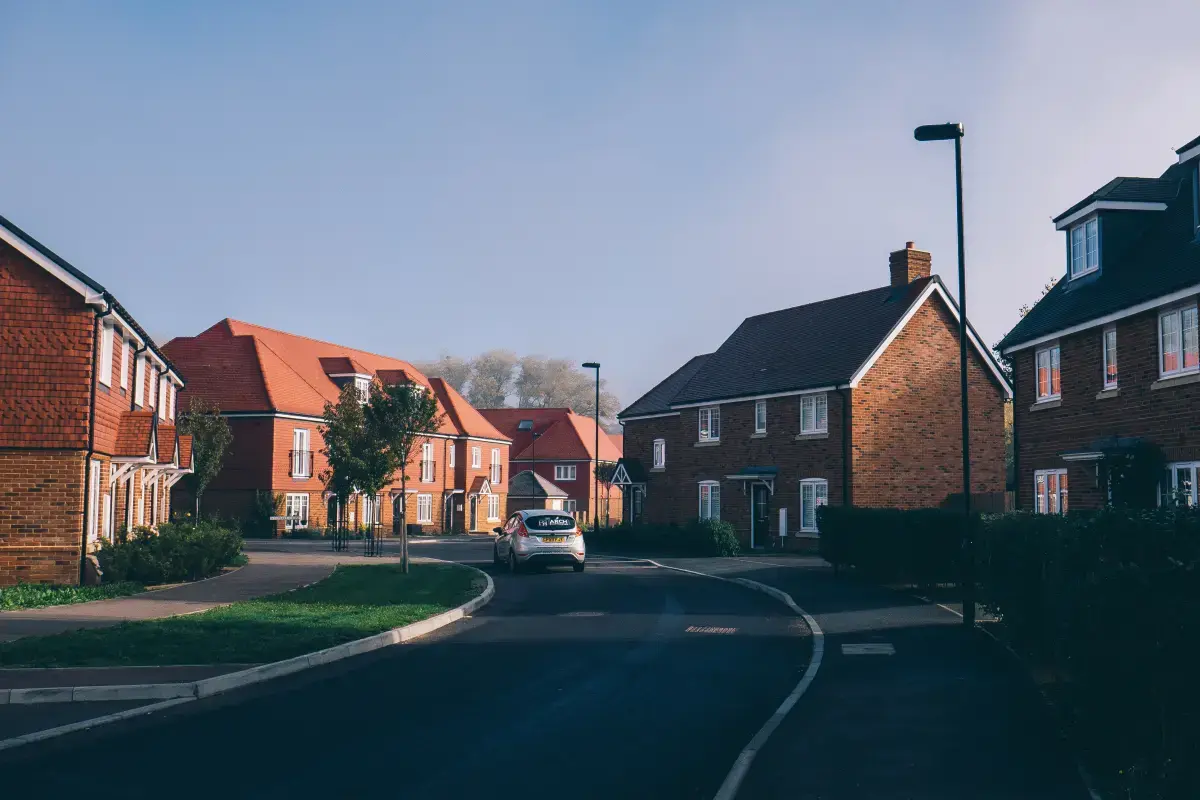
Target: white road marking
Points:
(583, 614)
(868, 649)
(709, 629)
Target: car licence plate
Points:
(553, 539)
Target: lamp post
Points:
(596, 460)
(938, 133)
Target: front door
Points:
(761, 512)
(474, 518)
(397, 514)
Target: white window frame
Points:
(427, 462)
(301, 453)
(1089, 248)
(760, 416)
(126, 352)
(709, 507)
(476, 457)
(174, 395)
(660, 453)
(709, 424)
(1168, 489)
(819, 421)
(139, 381)
(295, 510)
(1177, 315)
(164, 390)
(152, 401)
(495, 475)
(1053, 355)
(493, 509)
(425, 509)
(93, 518)
(565, 472)
(363, 387)
(570, 506)
(1110, 351)
(819, 489)
(450, 456)
(107, 332)
(1044, 503)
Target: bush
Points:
(697, 538)
(178, 552)
(305, 533)
(892, 546)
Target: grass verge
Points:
(353, 602)
(40, 595)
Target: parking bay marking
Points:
(709, 629)
(868, 649)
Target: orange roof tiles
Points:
(185, 450)
(166, 444)
(244, 367)
(564, 434)
(134, 434)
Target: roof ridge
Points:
(828, 300)
(319, 341)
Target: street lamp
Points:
(596, 465)
(939, 133)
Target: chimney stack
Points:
(909, 264)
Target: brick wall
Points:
(1168, 416)
(906, 419)
(41, 516)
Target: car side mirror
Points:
(498, 530)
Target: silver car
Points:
(539, 537)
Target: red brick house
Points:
(273, 386)
(559, 445)
(853, 400)
(88, 442)
(1127, 298)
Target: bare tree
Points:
(558, 383)
(492, 378)
(454, 370)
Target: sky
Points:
(613, 181)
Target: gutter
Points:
(91, 448)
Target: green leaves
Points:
(211, 436)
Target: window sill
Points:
(759, 435)
(707, 444)
(807, 535)
(1104, 394)
(801, 437)
(658, 469)
(1175, 380)
(1044, 405)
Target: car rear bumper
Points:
(561, 557)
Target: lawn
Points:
(40, 595)
(353, 602)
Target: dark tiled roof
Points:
(634, 469)
(528, 484)
(1163, 260)
(658, 399)
(818, 344)
(1140, 190)
(1189, 145)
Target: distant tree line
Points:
(500, 378)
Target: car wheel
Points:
(577, 567)
(513, 566)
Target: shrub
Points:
(892, 546)
(178, 552)
(260, 525)
(697, 538)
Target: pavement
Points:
(625, 681)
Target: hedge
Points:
(1109, 601)
(179, 551)
(697, 538)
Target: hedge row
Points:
(698, 538)
(1109, 600)
(179, 551)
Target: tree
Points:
(397, 417)
(453, 370)
(211, 436)
(492, 378)
(558, 383)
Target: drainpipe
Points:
(87, 461)
(847, 495)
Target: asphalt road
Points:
(586, 685)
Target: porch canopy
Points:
(1107, 447)
(764, 475)
(629, 472)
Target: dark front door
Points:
(762, 515)
(474, 518)
(397, 514)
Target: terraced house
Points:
(1107, 364)
(853, 400)
(273, 386)
(88, 442)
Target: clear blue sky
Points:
(619, 181)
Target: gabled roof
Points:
(135, 435)
(245, 368)
(658, 399)
(530, 485)
(1159, 263)
(185, 451)
(167, 444)
(618, 440)
(1128, 190)
(480, 485)
(629, 471)
(92, 291)
(1193, 143)
(565, 435)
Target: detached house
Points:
(560, 446)
(273, 386)
(853, 400)
(88, 442)
(1108, 361)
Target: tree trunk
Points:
(404, 522)
(198, 505)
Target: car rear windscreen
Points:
(550, 522)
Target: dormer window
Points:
(1085, 247)
(363, 387)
